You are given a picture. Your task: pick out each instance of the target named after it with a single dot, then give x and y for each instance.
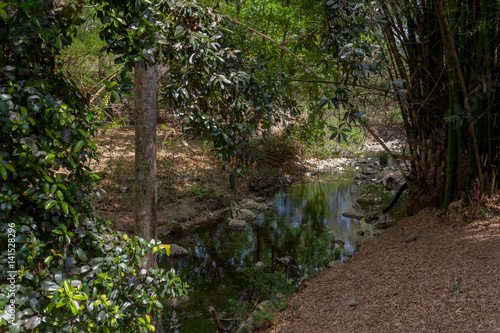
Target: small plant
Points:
(205, 192)
(455, 287)
(484, 211)
(383, 157)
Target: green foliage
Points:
(383, 157)
(70, 271)
(221, 94)
(319, 252)
(455, 287)
(203, 191)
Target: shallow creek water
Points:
(297, 214)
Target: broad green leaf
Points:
(62, 302)
(49, 204)
(3, 172)
(67, 286)
(78, 145)
(85, 135)
(49, 285)
(65, 207)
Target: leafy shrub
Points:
(66, 270)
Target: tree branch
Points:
(329, 84)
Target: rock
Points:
(346, 260)
(335, 263)
(339, 241)
(360, 176)
(390, 173)
(237, 224)
(361, 161)
(177, 251)
(253, 205)
(279, 296)
(361, 233)
(175, 302)
(368, 171)
(390, 183)
(173, 228)
(239, 270)
(384, 222)
(259, 264)
(286, 260)
(410, 239)
(244, 214)
(368, 199)
(370, 217)
(265, 306)
(353, 215)
(260, 199)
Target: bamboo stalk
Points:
(443, 23)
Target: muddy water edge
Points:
(298, 235)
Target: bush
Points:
(65, 269)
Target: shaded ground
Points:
(447, 280)
(192, 187)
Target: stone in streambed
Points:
(176, 302)
(353, 215)
(368, 171)
(177, 251)
(370, 217)
(236, 224)
(335, 263)
(253, 205)
(244, 214)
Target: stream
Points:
(221, 261)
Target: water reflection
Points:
(296, 217)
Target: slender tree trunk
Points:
(146, 223)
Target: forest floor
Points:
(428, 273)
(193, 189)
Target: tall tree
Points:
(146, 223)
(145, 155)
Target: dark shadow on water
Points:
(298, 214)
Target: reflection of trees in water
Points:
(297, 217)
(215, 254)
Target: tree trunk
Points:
(146, 223)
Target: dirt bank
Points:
(422, 275)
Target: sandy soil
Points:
(422, 275)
